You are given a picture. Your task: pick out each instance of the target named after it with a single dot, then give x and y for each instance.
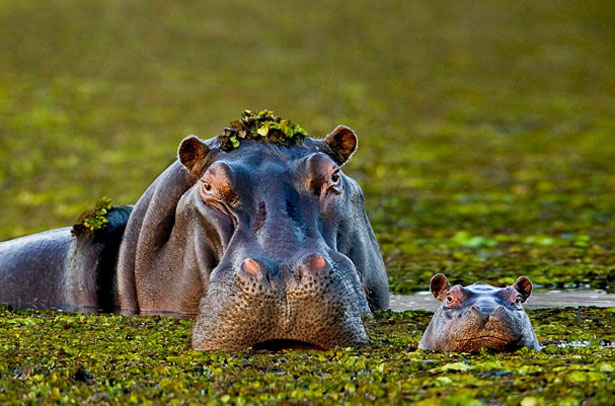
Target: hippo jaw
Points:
(478, 317)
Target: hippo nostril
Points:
(483, 313)
(251, 266)
(317, 263)
(498, 312)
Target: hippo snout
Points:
(307, 300)
(488, 312)
(306, 265)
(482, 313)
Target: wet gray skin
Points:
(479, 316)
(261, 244)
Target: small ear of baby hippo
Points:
(439, 286)
(524, 286)
(484, 317)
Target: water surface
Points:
(538, 300)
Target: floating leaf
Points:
(264, 127)
(455, 366)
(263, 131)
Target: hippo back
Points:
(32, 269)
(56, 270)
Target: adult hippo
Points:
(262, 242)
(479, 316)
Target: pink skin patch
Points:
(251, 266)
(318, 263)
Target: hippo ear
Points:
(342, 142)
(523, 286)
(439, 286)
(192, 153)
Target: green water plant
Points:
(93, 219)
(263, 126)
(62, 358)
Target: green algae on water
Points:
(50, 358)
(263, 126)
(93, 219)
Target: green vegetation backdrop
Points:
(486, 151)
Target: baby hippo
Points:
(479, 316)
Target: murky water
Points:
(538, 300)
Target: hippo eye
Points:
(206, 186)
(335, 177)
(334, 183)
(450, 300)
(518, 301)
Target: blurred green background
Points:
(486, 130)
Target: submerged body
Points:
(479, 316)
(259, 243)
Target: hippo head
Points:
(479, 316)
(269, 243)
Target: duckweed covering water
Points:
(65, 358)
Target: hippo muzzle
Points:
(485, 326)
(317, 301)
